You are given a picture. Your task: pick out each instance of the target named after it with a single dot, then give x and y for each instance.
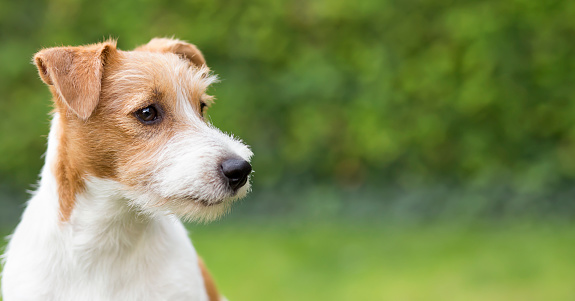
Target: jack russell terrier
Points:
(129, 153)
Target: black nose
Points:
(237, 172)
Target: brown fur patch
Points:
(211, 289)
(68, 177)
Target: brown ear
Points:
(75, 73)
(186, 50)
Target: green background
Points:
(404, 150)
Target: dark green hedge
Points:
(355, 93)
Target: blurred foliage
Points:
(378, 93)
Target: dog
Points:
(129, 154)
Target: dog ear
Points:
(75, 74)
(186, 50)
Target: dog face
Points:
(137, 118)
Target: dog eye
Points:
(148, 115)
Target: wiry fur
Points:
(113, 235)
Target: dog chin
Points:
(187, 207)
(228, 198)
(194, 209)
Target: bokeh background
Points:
(404, 150)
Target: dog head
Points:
(137, 118)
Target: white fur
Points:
(188, 172)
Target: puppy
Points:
(129, 153)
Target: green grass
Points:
(345, 261)
(351, 262)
